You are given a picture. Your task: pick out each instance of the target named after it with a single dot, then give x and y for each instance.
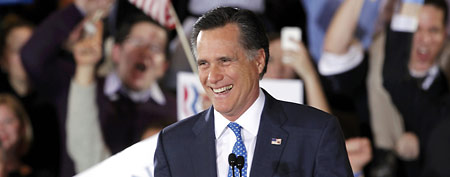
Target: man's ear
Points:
(260, 60)
(115, 53)
(166, 66)
(163, 70)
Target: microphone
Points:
(240, 161)
(232, 161)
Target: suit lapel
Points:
(266, 153)
(203, 148)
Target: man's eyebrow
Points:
(225, 58)
(201, 61)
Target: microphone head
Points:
(240, 162)
(232, 159)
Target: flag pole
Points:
(183, 40)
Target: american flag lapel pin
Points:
(276, 141)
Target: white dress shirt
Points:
(430, 75)
(225, 138)
(333, 64)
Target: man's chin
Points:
(137, 87)
(221, 106)
(423, 67)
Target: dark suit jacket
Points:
(312, 144)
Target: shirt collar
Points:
(429, 76)
(113, 85)
(432, 74)
(249, 120)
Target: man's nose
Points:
(215, 74)
(147, 54)
(426, 38)
(144, 55)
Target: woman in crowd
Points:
(14, 33)
(15, 136)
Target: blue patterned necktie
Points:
(238, 149)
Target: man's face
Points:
(230, 79)
(141, 58)
(428, 40)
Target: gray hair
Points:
(252, 33)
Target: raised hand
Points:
(407, 147)
(299, 60)
(359, 152)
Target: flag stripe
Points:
(159, 10)
(146, 7)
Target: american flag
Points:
(276, 141)
(158, 10)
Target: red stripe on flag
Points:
(159, 10)
(147, 5)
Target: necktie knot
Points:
(236, 128)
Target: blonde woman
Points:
(15, 135)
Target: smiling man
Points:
(275, 138)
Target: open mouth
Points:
(140, 67)
(222, 89)
(423, 54)
(422, 50)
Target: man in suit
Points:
(275, 138)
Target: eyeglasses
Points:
(140, 43)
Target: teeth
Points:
(220, 90)
(422, 50)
